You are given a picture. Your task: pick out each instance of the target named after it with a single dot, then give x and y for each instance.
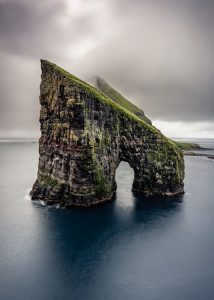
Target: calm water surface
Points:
(132, 248)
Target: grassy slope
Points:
(108, 90)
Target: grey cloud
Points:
(158, 53)
(37, 28)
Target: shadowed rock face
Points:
(85, 136)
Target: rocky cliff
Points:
(84, 137)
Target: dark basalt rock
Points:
(85, 136)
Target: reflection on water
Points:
(91, 247)
(133, 247)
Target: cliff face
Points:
(85, 136)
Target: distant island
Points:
(188, 145)
(84, 137)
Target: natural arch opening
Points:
(124, 178)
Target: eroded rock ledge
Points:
(85, 136)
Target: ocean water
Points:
(131, 248)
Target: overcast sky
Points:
(158, 53)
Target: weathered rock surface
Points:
(85, 136)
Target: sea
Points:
(131, 248)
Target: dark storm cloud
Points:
(159, 53)
(36, 28)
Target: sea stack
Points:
(84, 137)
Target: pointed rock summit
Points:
(85, 134)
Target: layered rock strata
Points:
(84, 137)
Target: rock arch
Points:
(85, 135)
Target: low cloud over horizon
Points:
(159, 54)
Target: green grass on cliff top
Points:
(108, 90)
(106, 100)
